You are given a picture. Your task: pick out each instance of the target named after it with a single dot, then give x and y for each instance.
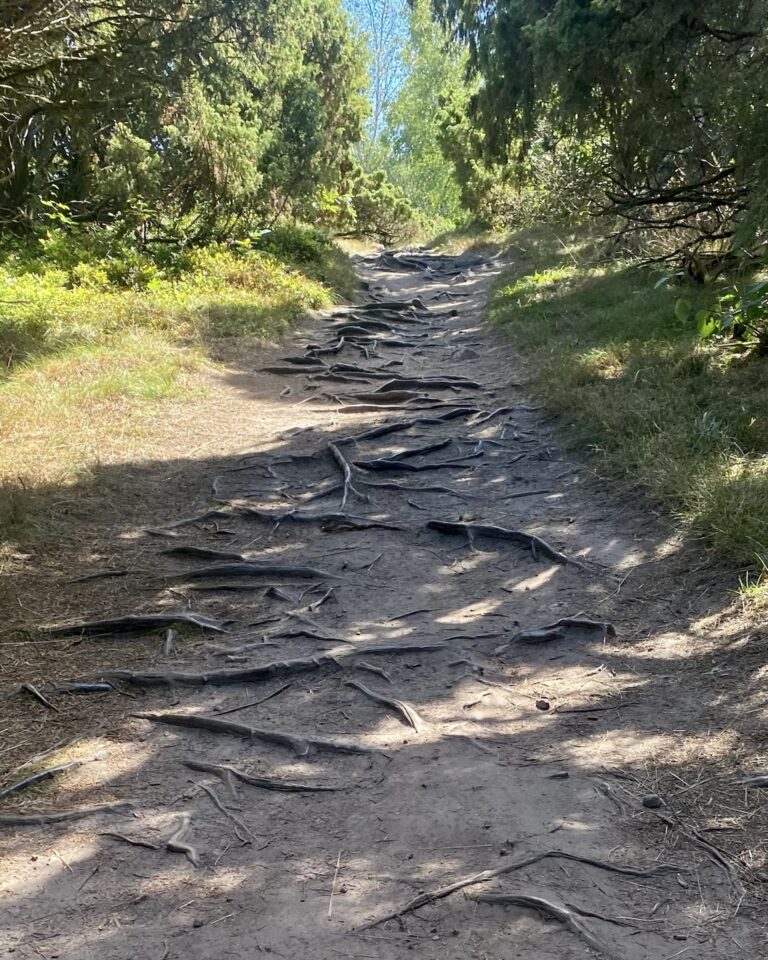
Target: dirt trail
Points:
(478, 746)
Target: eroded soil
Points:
(623, 750)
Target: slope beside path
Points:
(400, 677)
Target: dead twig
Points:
(255, 703)
(37, 778)
(333, 885)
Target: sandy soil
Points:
(623, 750)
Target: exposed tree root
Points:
(175, 843)
(99, 575)
(718, 857)
(328, 521)
(401, 425)
(265, 783)
(555, 631)
(583, 623)
(40, 819)
(301, 746)
(426, 383)
(485, 875)
(754, 782)
(551, 906)
(38, 778)
(267, 671)
(133, 841)
(538, 635)
(302, 361)
(535, 544)
(346, 472)
(405, 710)
(242, 832)
(395, 463)
(413, 488)
(136, 623)
(426, 403)
(74, 687)
(256, 569)
(372, 668)
(421, 451)
(202, 553)
(486, 417)
(394, 648)
(395, 398)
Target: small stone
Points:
(542, 704)
(198, 923)
(653, 801)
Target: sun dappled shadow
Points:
(550, 745)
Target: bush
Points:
(381, 210)
(300, 245)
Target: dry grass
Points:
(682, 419)
(89, 362)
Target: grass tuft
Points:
(684, 419)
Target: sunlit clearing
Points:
(534, 583)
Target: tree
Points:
(434, 69)
(671, 97)
(189, 112)
(383, 24)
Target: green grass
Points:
(683, 419)
(89, 339)
(219, 294)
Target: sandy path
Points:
(533, 748)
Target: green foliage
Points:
(366, 205)
(434, 70)
(191, 120)
(294, 244)
(84, 286)
(656, 111)
(378, 209)
(415, 69)
(739, 314)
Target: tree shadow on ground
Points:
(676, 713)
(535, 748)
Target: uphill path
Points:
(433, 691)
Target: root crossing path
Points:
(386, 689)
